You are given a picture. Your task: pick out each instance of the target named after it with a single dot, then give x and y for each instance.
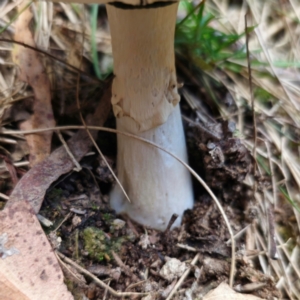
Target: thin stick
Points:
(275, 264)
(272, 249)
(4, 197)
(96, 279)
(171, 222)
(186, 247)
(107, 164)
(238, 234)
(95, 144)
(67, 266)
(75, 162)
(124, 268)
(270, 210)
(62, 222)
(284, 247)
(183, 277)
(91, 137)
(252, 102)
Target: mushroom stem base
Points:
(156, 183)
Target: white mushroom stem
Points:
(145, 102)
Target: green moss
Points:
(107, 217)
(98, 245)
(94, 206)
(54, 194)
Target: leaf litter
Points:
(32, 72)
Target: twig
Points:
(171, 222)
(68, 268)
(97, 280)
(105, 292)
(76, 244)
(273, 264)
(4, 197)
(238, 234)
(168, 289)
(133, 285)
(252, 103)
(62, 222)
(284, 247)
(124, 268)
(131, 226)
(75, 162)
(186, 247)
(272, 249)
(202, 128)
(270, 210)
(183, 277)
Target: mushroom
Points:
(145, 102)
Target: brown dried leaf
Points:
(33, 185)
(224, 292)
(32, 71)
(29, 268)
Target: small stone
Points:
(144, 241)
(76, 221)
(44, 221)
(211, 145)
(55, 240)
(78, 211)
(118, 224)
(172, 269)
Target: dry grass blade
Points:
(252, 100)
(97, 280)
(76, 163)
(183, 277)
(274, 55)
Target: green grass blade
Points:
(94, 17)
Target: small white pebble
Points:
(118, 224)
(44, 221)
(76, 221)
(172, 269)
(144, 241)
(78, 211)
